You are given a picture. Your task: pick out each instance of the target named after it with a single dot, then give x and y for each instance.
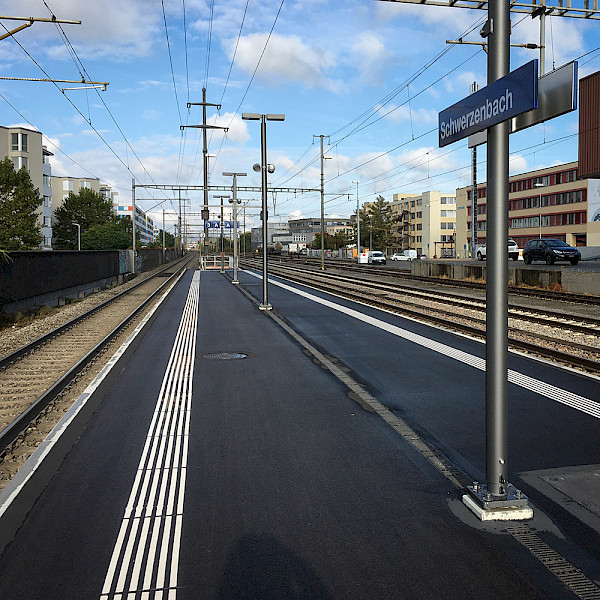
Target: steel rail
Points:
(11, 433)
(586, 325)
(565, 358)
(27, 348)
(459, 283)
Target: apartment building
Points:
(546, 203)
(426, 223)
(144, 223)
(25, 148)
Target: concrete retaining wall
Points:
(40, 278)
(576, 281)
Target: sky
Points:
(370, 75)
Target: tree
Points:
(158, 242)
(19, 201)
(245, 243)
(87, 208)
(106, 237)
(328, 242)
(376, 223)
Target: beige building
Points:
(24, 147)
(547, 203)
(62, 186)
(426, 223)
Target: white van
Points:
(406, 255)
(376, 257)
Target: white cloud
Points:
(461, 83)
(286, 58)
(564, 40)
(370, 56)
(517, 164)
(238, 129)
(295, 214)
(111, 28)
(399, 114)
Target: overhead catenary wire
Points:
(82, 70)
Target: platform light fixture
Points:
(235, 202)
(265, 168)
(357, 225)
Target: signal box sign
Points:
(499, 101)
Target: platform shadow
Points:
(260, 567)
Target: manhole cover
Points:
(224, 355)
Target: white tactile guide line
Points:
(575, 401)
(145, 558)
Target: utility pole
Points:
(497, 30)
(133, 219)
(179, 245)
(204, 127)
(474, 88)
(235, 239)
(322, 202)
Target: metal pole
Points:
(322, 204)
(179, 237)
(222, 257)
(542, 42)
(496, 385)
(235, 240)
(474, 88)
(357, 225)
(474, 205)
(163, 236)
(205, 161)
(78, 236)
(263, 152)
(133, 219)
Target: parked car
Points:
(550, 250)
(513, 250)
(376, 258)
(405, 255)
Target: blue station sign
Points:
(499, 101)
(217, 224)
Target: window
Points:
(20, 162)
(18, 142)
(448, 213)
(419, 215)
(47, 201)
(67, 185)
(85, 185)
(47, 221)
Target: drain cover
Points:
(224, 355)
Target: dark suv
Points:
(550, 250)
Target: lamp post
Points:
(78, 236)
(540, 185)
(235, 237)
(357, 225)
(263, 167)
(222, 249)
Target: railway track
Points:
(570, 339)
(35, 376)
(405, 274)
